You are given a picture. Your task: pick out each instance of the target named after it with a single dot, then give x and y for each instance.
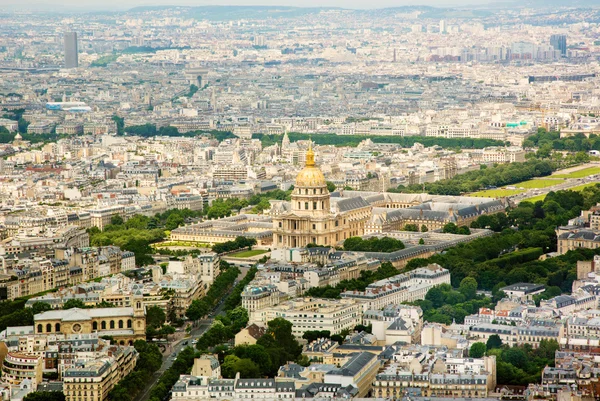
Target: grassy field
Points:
(501, 192)
(577, 188)
(579, 173)
(247, 254)
(537, 183)
(188, 244)
(496, 193)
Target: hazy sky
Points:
(118, 5)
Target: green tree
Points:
(468, 287)
(494, 341)
(313, 335)
(435, 296)
(39, 307)
(174, 221)
(547, 349)
(411, 227)
(228, 368)
(477, 350)
(116, 220)
(74, 303)
(238, 317)
(247, 368)
(155, 317)
(515, 356)
(424, 228)
(330, 186)
(450, 228)
(45, 396)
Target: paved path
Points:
(176, 346)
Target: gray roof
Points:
(587, 235)
(347, 204)
(354, 365)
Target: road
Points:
(173, 349)
(561, 185)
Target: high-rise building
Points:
(71, 50)
(559, 42)
(442, 26)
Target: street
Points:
(561, 185)
(175, 348)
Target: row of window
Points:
(103, 325)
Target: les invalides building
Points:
(310, 216)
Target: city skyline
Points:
(115, 5)
(287, 203)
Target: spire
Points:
(310, 155)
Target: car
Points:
(194, 342)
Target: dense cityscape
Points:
(276, 202)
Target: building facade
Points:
(309, 217)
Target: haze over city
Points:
(384, 200)
(115, 5)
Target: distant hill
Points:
(224, 13)
(559, 3)
(227, 13)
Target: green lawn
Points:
(535, 198)
(496, 193)
(576, 189)
(501, 192)
(579, 173)
(247, 254)
(537, 183)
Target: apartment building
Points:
(314, 314)
(569, 239)
(359, 371)
(92, 380)
(406, 287)
(258, 297)
(101, 217)
(530, 334)
(19, 366)
(437, 373)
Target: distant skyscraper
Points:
(442, 26)
(559, 42)
(71, 50)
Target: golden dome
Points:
(311, 175)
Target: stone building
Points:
(125, 325)
(311, 218)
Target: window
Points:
(306, 205)
(40, 328)
(57, 327)
(314, 205)
(95, 326)
(314, 226)
(103, 325)
(120, 324)
(129, 323)
(48, 328)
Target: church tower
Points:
(310, 195)
(309, 217)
